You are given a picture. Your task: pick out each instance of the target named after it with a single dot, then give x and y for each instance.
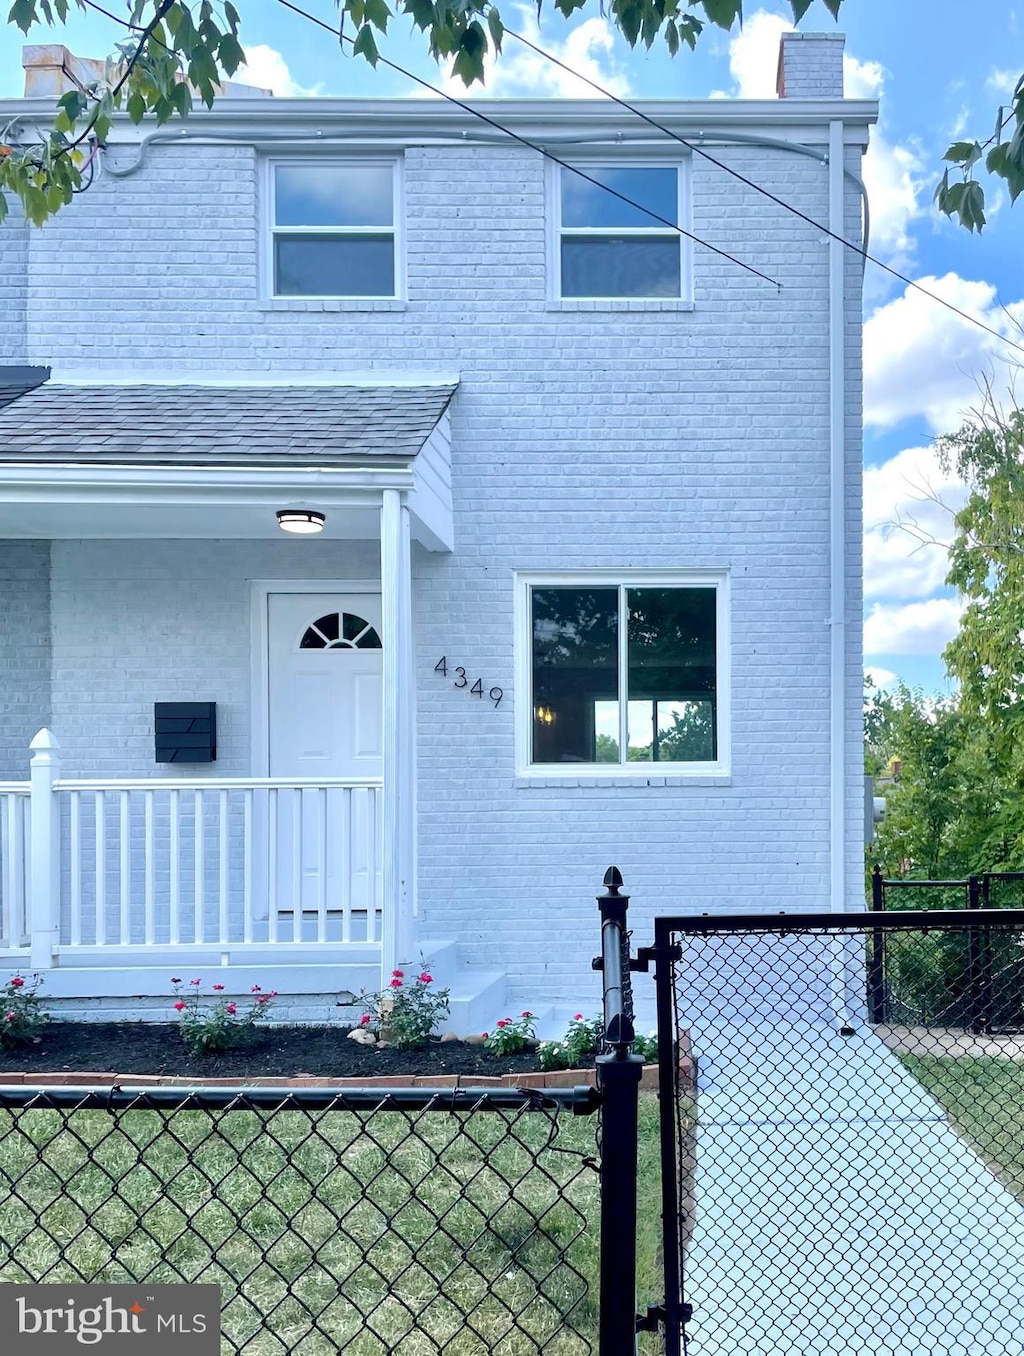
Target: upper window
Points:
(340, 631)
(332, 227)
(615, 236)
(626, 674)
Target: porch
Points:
(164, 577)
(222, 871)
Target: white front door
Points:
(325, 710)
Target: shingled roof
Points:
(272, 424)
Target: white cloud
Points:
(912, 628)
(1001, 82)
(266, 68)
(922, 360)
(881, 677)
(754, 54)
(908, 506)
(587, 49)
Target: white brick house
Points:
(608, 476)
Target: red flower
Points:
(365, 1020)
(218, 987)
(395, 984)
(17, 982)
(527, 1014)
(231, 1007)
(179, 1006)
(506, 1022)
(255, 989)
(397, 974)
(578, 1017)
(12, 1016)
(483, 1036)
(425, 978)
(175, 980)
(196, 982)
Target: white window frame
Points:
(270, 230)
(525, 583)
(637, 160)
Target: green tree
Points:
(986, 656)
(174, 48)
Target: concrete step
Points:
(476, 997)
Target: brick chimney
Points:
(51, 70)
(810, 66)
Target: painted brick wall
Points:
(24, 651)
(13, 284)
(581, 437)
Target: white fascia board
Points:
(22, 483)
(416, 120)
(204, 377)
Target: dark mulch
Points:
(156, 1048)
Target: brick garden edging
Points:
(562, 1078)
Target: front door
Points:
(325, 712)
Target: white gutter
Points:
(837, 520)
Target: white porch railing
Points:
(95, 867)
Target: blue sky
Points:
(938, 76)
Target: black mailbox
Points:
(186, 732)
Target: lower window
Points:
(625, 674)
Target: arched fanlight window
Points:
(340, 631)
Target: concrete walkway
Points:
(837, 1211)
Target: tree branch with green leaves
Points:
(1002, 155)
(177, 50)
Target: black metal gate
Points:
(846, 1174)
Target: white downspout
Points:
(837, 517)
(839, 947)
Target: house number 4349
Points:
(460, 680)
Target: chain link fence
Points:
(851, 1185)
(419, 1222)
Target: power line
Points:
(531, 145)
(781, 202)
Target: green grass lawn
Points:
(984, 1098)
(422, 1230)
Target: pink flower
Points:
(578, 1017)
(17, 982)
(527, 1014)
(396, 984)
(505, 1022)
(231, 1007)
(365, 1020)
(218, 987)
(175, 979)
(425, 978)
(273, 993)
(12, 1016)
(179, 1006)
(398, 974)
(263, 998)
(483, 1036)
(255, 989)
(196, 982)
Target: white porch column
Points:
(399, 734)
(44, 850)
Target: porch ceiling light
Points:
(304, 522)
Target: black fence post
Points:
(618, 1079)
(876, 965)
(975, 974)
